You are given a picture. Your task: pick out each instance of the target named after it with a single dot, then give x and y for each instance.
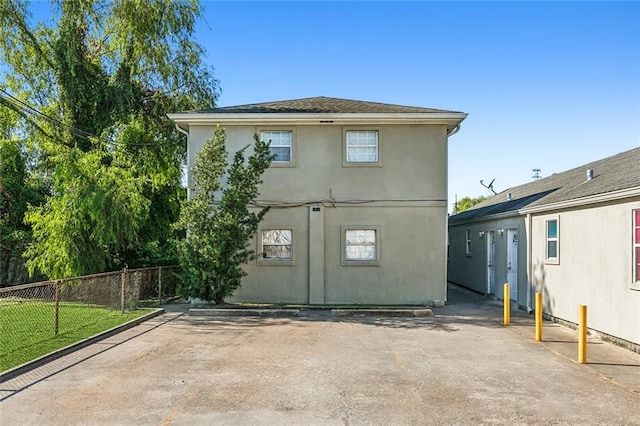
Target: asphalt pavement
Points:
(460, 366)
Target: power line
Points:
(28, 109)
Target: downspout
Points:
(181, 130)
(454, 130)
(186, 133)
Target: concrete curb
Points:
(291, 313)
(382, 312)
(38, 362)
(225, 312)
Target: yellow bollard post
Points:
(538, 314)
(507, 305)
(582, 334)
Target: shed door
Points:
(491, 262)
(512, 262)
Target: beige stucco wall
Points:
(404, 197)
(413, 162)
(471, 270)
(594, 268)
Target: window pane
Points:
(281, 141)
(360, 244)
(362, 146)
(276, 244)
(282, 154)
(361, 236)
(276, 252)
(637, 241)
(552, 249)
(552, 229)
(360, 253)
(272, 236)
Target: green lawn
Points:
(27, 327)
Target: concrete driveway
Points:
(459, 367)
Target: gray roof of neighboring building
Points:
(615, 173)
(321, 104)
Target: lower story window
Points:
(276, 244)
(361, 245)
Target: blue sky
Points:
(549, 85)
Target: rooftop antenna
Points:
(490, 186)
(536, 174)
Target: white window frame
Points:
(360, 262)
(467, 246)
(275, 261)
(552, 260)
(359, 163)
(280, 163)
(635, 254)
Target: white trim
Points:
(450, 119)
(555, 260)
(468, 242)
(592, 199)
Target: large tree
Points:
(91, 88)
(465, 203)
(217, 218)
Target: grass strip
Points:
(27, 327)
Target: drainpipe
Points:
(186, 133)
(181, 130)
(454, 130)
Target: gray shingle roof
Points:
(321, 104)
(615, 173)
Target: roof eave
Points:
(496, 216)
(186, 119)
(584, 201)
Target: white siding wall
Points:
(594, 269)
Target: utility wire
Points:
(28, 109)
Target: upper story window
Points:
(362, 146)
(468, 241)
(636, 246)
(553, 242)
(281, 144)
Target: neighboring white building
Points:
(358, 196)
(574, 236)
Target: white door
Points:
(491, 262)
(512, 262)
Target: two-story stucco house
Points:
(358, 196)
(574, 236)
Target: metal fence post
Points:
(160, 284)
(122, 287)
(56, 321)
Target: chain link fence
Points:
(38, 313)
